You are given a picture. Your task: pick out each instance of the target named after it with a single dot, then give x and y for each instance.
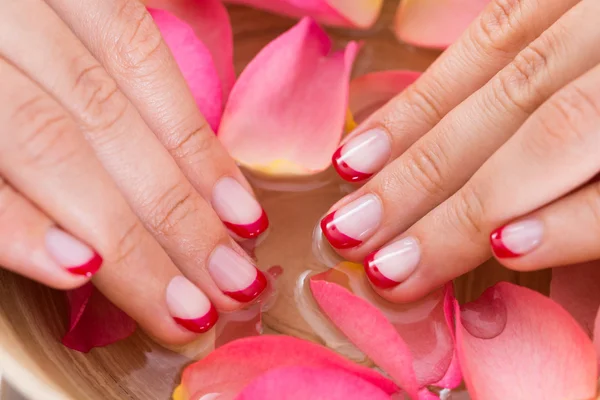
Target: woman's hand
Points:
(106, 162)
(500, 137)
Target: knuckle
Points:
(423, 103)
(425, 169)
(170, 208)
(102, 103)
(497, 25)
(140, 45)
(519, 84)
(43, 141)
(196, 145)
(565, 128)
(466, 212)
(124, 250)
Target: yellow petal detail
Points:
(350, 123)
(179, 393)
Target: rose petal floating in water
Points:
(293, 383)
(534, 349)
(286, 112)
(371, 91)
(94, 320)
(435, 23)
(353, 13)
(210, 22)
(195, 62)
(230, 368)
(413, 344)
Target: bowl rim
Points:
(24, 381)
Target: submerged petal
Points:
(413, 344)
(371, 91)
(435, 23)
(230, 368)
(94, 320)
(354, 13)
(514, 343)
(286, 113)
(292, 383)
(202, 49)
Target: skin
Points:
(502, 128)
(98, 85)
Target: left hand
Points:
(500, 137)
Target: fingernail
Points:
(353, 223)
(394, 263)
(363, 155)
(517, 239)
(235, 276)
(70, 253)
(189, 307)
(238, 209)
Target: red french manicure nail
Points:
(202, 324)
(189, 306)
(353, 223)
(393, 263)
(238, 209)
(362, 156)
(375, 276)
(252, 230)
(235, 275)
(89, 268)
(72, 254)
(251, 292)
(516, 239)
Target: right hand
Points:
(105, 161)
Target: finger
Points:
(552, 154)
(122, 36)
(563, 233)
(444, 159)
(491, 42)
(44, 157)
(164, 200)
(32, 246)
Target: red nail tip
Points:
(89, 268)
(252, 291)
(202, 324)
(250, 231)
(375, 276)
(345, 171)
(498, 247)
(336, 238)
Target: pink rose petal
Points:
(435, 23)
(286, 113)
(210, 21)
(422, 352)
(514, 343)
(195, 62)
(370, 92)
(293, 383)
(369, 330)
(230, 368)
(353, 13)
(94, 320)
(577, 289)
